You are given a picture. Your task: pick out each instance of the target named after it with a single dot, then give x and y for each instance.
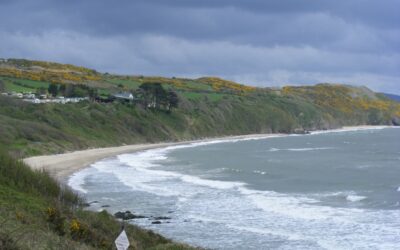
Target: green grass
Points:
(22, 85)
(197, 85)
(214, 97)
(32, 84)
(12, 87)
(129, 84)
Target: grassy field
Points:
(22, 85)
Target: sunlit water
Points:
(338, 190)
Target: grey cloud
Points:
(256, 42)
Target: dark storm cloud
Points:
(254, 41)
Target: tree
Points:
(69, 90)
(2, 86)
(153, 95)
(53, 89)
(61, 90)
(93, 93)
(173, 100)
(41, 91)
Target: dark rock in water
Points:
(105, 206)
(396, 121)
(170, 212)
(301, 131)
(127, 215)
(119, 215)
(87, 204)
(156, 222)
(139, 216)
(162, 218)
(298, 131)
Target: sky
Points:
(255, 42)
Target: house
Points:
(17, 95)
(127, 96)
(29, 96)
(34, 100)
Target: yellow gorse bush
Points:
(75, 226)
(48, 75)
(342, 98)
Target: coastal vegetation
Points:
(38, 213)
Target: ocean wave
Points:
(141, 172)
(355, 198)
(299, 149)
(350, 196)
(350, 129)
(211, 183)
(259, 172)
(77, 180)
(231, 170)
(300, 207)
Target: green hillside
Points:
(207, 107)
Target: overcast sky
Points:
(256, 42)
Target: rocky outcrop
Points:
(396, 121)
(127, 215)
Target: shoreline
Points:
(62, 166)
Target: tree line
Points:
(149, 95)
(72, 90)
(153, 95)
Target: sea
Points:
(335, 189)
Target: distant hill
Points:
(208, 106)
(393, 97)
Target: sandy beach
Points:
(61, 166)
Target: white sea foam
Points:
(308, 149)
(294, 207)
(398, 189)
(211, 183)
(350, 196)
(259, 172)
(355, 198)
(350, 129)
(77, 181)
(141, 171)
(299, 149)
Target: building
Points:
(124, 96)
